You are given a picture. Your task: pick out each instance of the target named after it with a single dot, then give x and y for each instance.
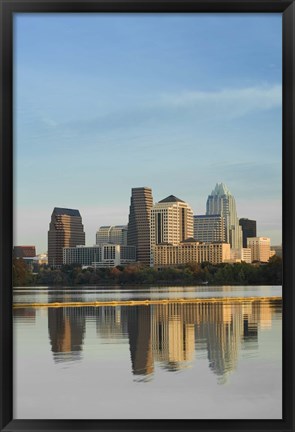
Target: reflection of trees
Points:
(171, 334)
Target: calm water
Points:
(218, 360)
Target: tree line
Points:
(188, 274)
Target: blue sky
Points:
(179, 102)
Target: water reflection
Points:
(26, 315)
(140, 339)
(170, 335)
(66, 333)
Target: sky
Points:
(175, 102)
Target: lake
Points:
(187, 353)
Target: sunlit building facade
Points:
(168, 255)
(260, 248)
(171, 222)
(222, 202)
(65, 230)
(239, 255)
(139, 223)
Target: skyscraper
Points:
(65, 230)
(171, 222)
(139, 223)
(249, 229)
(222, 202)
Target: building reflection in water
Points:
(66, 328)
(140, 340)
(25, 316)
(172, 335)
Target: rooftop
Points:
(220, 189)
(66, 211)
(171, 198)
(207, 216)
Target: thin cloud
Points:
(227, 102)
(223, 104)
(165, 110)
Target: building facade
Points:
(239, 255)
(249, 228)
(65, 230)
(139, 223)
(168, 255)
(24, 251)
(222, 202)
(171, 221)
(260, 248)
(100, 256)
(209, 228)
(42, 258)
(116, 234)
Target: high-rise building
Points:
(209, 228)
(116, 234)
(171, 221)
(139, 223)
(260, 248)
(222, 202)
(65, 230)
(248, 228)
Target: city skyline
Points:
(94, 235)
(174, 103)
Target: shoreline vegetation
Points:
(134, 274)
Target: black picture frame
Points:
(8, 8)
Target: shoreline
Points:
(115, 303)
(138, 285)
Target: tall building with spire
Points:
(65, 230)
(139, 223)
(221, 202)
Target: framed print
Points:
(147, 215)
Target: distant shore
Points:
(134, 274)
(162, 284)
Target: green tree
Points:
(273, 271)
(21, 273)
